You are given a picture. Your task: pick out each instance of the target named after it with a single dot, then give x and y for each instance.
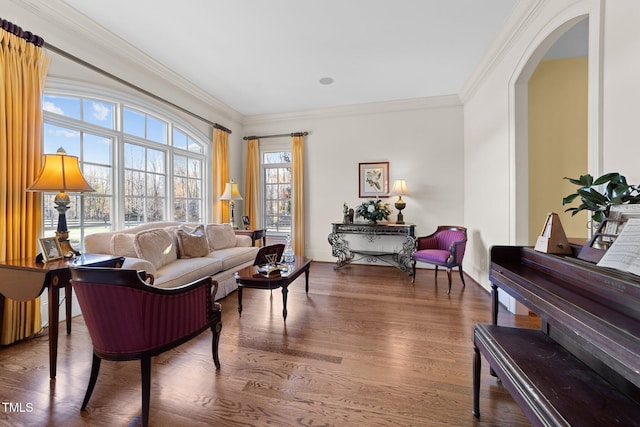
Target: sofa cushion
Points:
(155, 245)
(192, 244)
(234, 257)
(220, 236)
(183, 271)
(122, 245)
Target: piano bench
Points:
(551, 386)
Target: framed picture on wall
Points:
(373, 179)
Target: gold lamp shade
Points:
(61, 173)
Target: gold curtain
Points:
(220, 174)
(297, 178)
(23, 68)
(252, 183)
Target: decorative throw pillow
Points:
(220, 236)
(156, 246)
(194, 244)
(121, 244)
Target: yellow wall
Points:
(557, 141)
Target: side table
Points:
(25, 279)
(254, 234)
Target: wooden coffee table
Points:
(250, 278)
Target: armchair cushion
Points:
(437, 256)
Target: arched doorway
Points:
(519, 122)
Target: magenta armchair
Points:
(129, 320)
(444, 248)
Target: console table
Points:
(370, 234)
(255, 235)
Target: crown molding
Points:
(414, 104)
(67, 29)
(523, 12)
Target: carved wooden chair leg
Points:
(215, 340)
(461, 275)
(95, 369)
(449, 278)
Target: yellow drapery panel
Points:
(297, 186)
(220, 174)
(23, 68)
(252, 183)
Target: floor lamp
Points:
(231, 194)
(61, 173)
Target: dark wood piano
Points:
(583, 367)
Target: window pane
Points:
(179, 188)
(155, 161)
(194, 146)
(155, 210)
(133, 156)
(155, 186)
(180, 210)
(99, 177)
(57, 136)
(97, 149)
(99, 113)
(195, 211)
(156, 130)
(133, 122)
(195, 168)
(133, 210)
(179, 139)
(62, 105)
(133, 183)
(97, 211)
(279, 157)
(180, 165)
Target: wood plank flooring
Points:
(365, 347)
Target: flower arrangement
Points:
(373, 210)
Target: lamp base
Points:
(400, 205)
(65, 245)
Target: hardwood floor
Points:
(364, 348)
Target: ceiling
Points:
(263, 57)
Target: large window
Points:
(276, 178)
(145, 165)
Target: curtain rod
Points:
(292, 134)
(131, 85)
(16, 30)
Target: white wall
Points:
(489, 125)
(421, 139)
(621, 88)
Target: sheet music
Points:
(624, 252)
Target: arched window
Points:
(145, 163)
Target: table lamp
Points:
(61, 173)
(399, 189)
(231, 194)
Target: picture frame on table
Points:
(246, 222)
(51, 249)
(373, 179)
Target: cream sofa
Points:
(177, 253)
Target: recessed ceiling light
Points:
(326, 81)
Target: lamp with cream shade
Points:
(61, 172)
(400, 189)
(231, 193)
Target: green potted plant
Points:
(616, 192)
